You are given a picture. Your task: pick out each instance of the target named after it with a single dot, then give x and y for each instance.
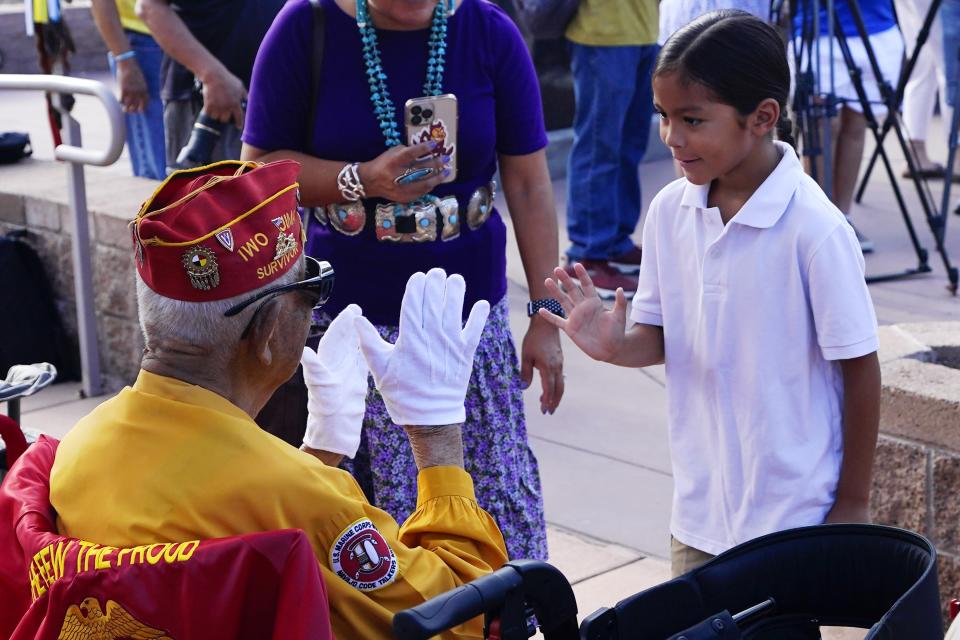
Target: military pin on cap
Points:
(201, 265)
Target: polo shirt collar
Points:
(768, 202)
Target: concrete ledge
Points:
(921, 393)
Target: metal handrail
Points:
(76, 156)
(65, 84)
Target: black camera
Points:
(199, 148)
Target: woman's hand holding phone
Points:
(380, 175)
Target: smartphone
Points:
(434, 118)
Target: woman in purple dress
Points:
(377, 232)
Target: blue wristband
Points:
(126, 55)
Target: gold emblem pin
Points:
(201, 266)
(286, 244)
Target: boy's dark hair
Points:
(737, 56)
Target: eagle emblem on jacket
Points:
(87, 621)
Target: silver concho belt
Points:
(419, 222)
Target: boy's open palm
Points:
(598, 332)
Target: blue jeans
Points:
(950, 19)
(145, 129)
(614, 107)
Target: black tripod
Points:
(905, 74)
(889, 98)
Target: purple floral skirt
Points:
(496, 454)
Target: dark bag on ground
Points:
(30, 326)
(545, 19)
(14, 146)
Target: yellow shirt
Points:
(128, 17)
(608, 23)
(167, 461)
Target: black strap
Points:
(316, 64)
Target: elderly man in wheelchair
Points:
(167, 513)
(144, 521)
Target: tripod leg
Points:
(901, 87)
(866, 175)
(871, 121)
(934, 220)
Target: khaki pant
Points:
(684, 558)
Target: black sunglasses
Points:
(318, 283)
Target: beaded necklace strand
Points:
(383, 107)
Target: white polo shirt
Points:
(754, 316)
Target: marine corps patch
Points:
(362, 558)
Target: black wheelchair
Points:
(780, 586)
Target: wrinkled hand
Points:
(424, 376)
(541, 351)
(379, 175)
(336, 378)
(223, 96)
(133, 87)
(598, 332)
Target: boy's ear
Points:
(765, 116)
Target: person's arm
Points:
(318, 177)
(436, 446)
(133, 87)
(223, 92)
(326, 457)
(529, 195)
(861, 422)
(599, 332)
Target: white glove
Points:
(423, 377)
(336, 377)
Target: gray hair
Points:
(201, 324)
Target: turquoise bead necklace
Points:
(383, 107)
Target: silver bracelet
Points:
(348, 182)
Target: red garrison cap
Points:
(219, 231)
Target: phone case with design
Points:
(434, 118)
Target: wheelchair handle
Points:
(457, 606)
(508, 595)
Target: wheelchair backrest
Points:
(259, 585)
(867, 576)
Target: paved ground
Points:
(604, 457)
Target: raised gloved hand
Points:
(423, 377)
(336, 378)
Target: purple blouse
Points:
(488, 68)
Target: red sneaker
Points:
(628, 263)
(606, 279)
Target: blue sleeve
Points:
(279, 96)
(519, 110)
